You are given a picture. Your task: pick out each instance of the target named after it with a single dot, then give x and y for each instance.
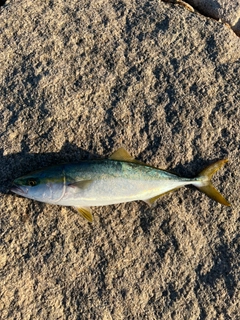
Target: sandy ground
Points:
(77, 81)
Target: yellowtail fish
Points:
(117, 179)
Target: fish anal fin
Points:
(122, 155)
(152, 200)
(86, 213)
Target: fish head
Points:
(44, 185)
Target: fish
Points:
(117, 179)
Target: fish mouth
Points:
(17, 189)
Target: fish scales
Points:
(112, 181)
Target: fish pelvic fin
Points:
(86, 213)
(204, 184)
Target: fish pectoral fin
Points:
(80, 184)
(152, 200)
(86, 213)
(122, 155)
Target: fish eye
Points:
(32, 182)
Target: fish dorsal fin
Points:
(86, 213)
(122, 155)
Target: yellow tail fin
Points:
(206, 186)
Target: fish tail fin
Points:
(204, 184)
